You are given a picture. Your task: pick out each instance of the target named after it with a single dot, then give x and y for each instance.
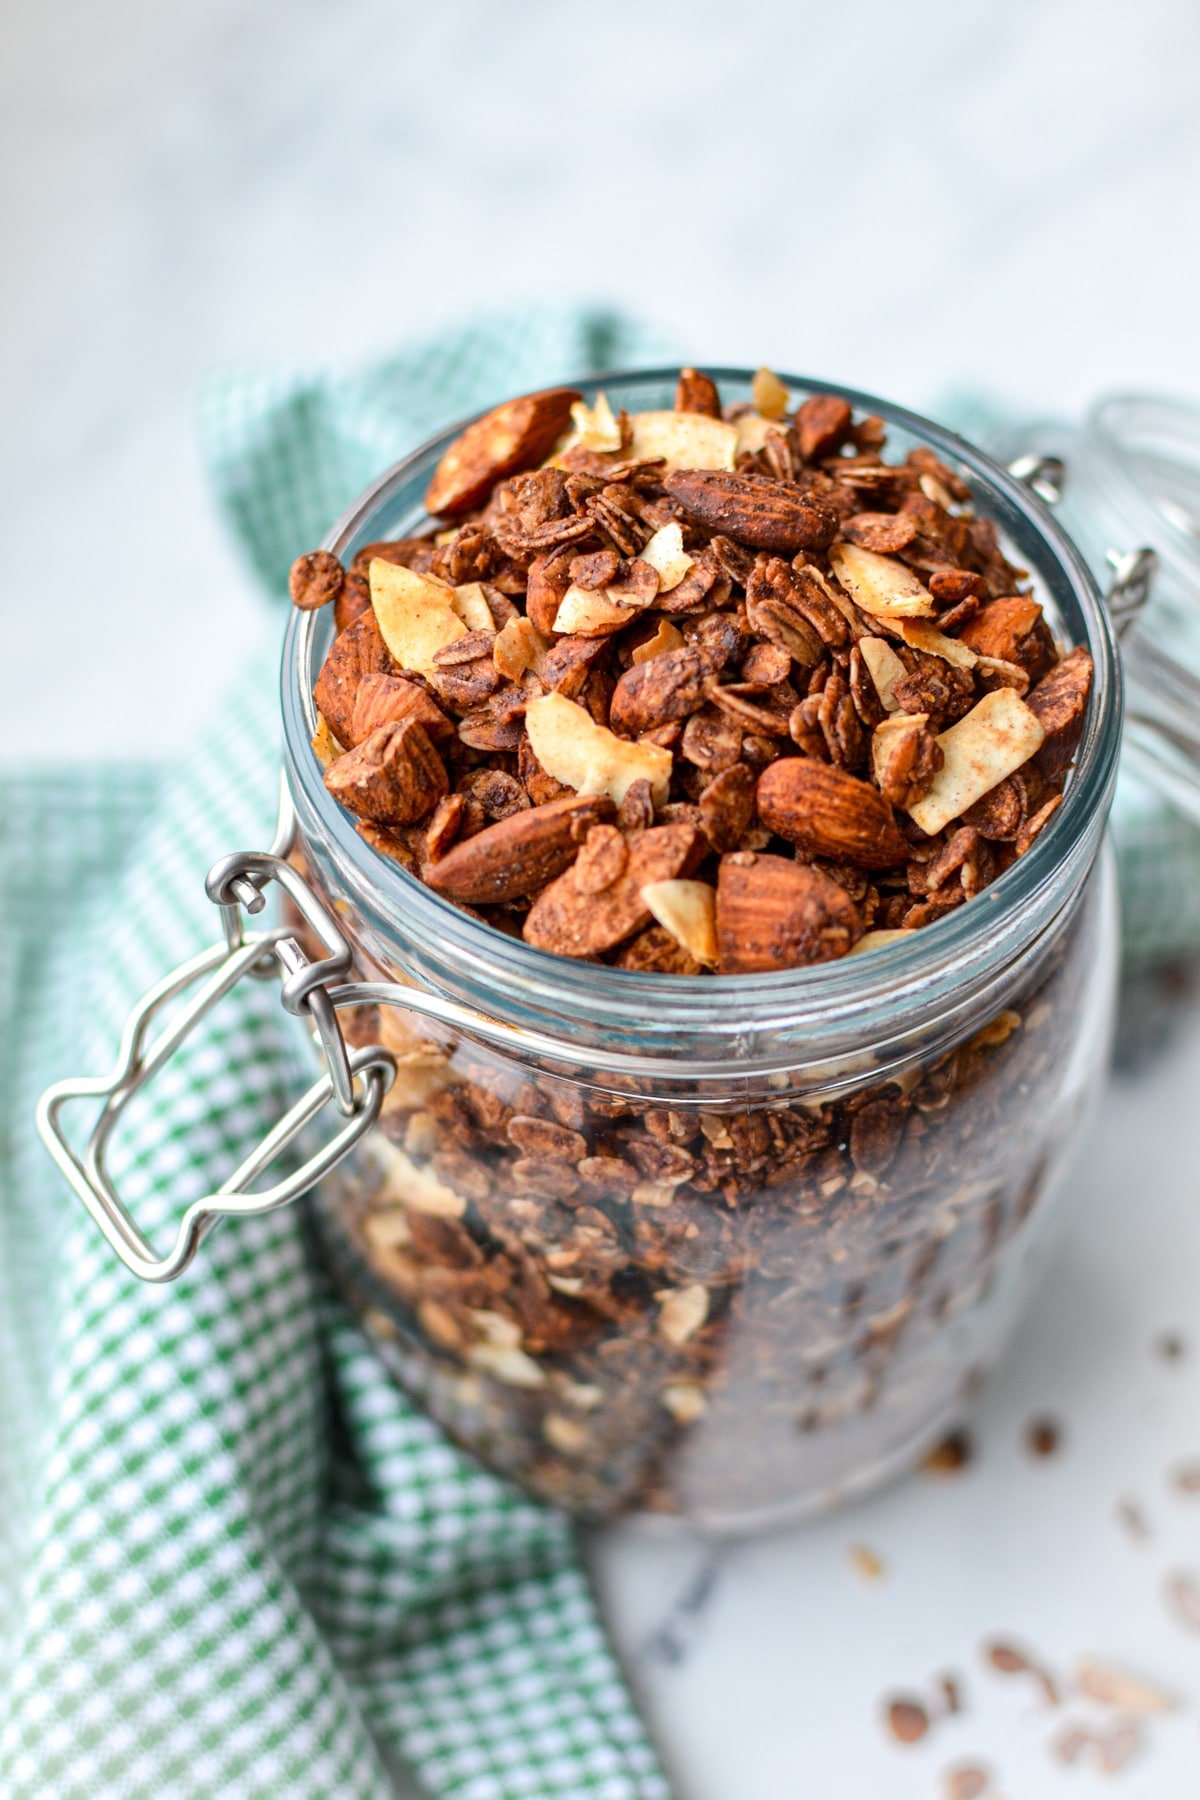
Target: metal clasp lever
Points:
(356, 1080)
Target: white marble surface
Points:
(911, 198)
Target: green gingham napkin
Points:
(234, 1560)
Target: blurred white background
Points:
(912, 198)
(918, 199)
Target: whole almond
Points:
(768, 515)
(519, 854)
(773, 913)
(830, 813)
(394, 777)
(512, 436)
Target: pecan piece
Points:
(1059, 702)
(357, 652)
(829, 813)
(697, 393)
(510, 437)
(573, 922)
(754, 510)
(393, 778)
(314, 580)
(776, 914)
(519, 854)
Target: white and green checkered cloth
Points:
(234, 1561)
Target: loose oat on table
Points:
(691, 692)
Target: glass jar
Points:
(730, 1248)
(725, 1249)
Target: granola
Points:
(825, 653)
(697, 693)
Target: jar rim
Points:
(956, 956)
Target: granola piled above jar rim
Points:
(687, 692)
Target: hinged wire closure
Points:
(355, 1080)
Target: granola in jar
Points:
(701, 692)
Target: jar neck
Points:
(750, 1025)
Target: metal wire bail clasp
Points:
(356, 1080)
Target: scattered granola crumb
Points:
(908, 1721)
(1186, 1477)
(1009, 1659)
(1170, 1346)
(1108, 1751)
(1183, 1599)
(866, 1562)
(951, 1691)
(1131, 1516)
(1114, 1687)
(953, 1454)
(966, 1781)
(1043, 1436)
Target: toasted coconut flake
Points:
(919, 634)
(472, 608)
(416, 614)
(667, 557)
(507, 1363)
(1119, 1689)
(685, 1401)
(325, 746)
(588, 757)
(683, 440)
(879, 940)
(682, 1311)
(588, 612)
(688, 910)
(770, 396)
(752, 429)
(415, 1187)
(519, 646)
(995, 739)
(667, 637)
(885, 669)
(595, 427)
(879, 584)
